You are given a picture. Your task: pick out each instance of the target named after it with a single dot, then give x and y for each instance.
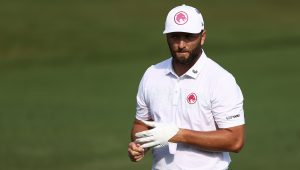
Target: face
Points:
(185, 47)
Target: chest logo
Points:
(181, 18)
(191, 98)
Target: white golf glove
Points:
(158, 136)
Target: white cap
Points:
(184, 19)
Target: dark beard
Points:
(191, 60)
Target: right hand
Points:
(135, 152)
(159, 135)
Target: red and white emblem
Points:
(181, 18)
(191, 98)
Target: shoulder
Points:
(154, 74)
(217, 71)
(222, 82)
(159, 68)
(218, 78)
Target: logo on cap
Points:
(191, 98)
(181, 18)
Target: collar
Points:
(194, 71)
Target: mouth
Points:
(182, 53)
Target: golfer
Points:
(189, 109)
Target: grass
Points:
(69, 72)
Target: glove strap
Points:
(172, 148)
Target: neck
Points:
(182, 68)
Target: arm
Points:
(135, 152)
(138, 126)
(228, 139)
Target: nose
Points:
(181, 44)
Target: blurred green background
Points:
(69, 72)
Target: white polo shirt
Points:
(205, 98)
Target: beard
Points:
(190, 60)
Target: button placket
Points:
(176, 92)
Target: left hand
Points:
(159, 135)
(135, 152)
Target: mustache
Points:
(182, 50)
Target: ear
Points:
(203, 37)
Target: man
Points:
(189, 109)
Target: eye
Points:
(174, 36)
(191, 36)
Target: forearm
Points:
(138, 126)
(231, 139)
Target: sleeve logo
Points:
(232, 117)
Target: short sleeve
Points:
(142, 106)
(227, 103)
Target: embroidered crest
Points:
(181, 18)
(191, 98)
